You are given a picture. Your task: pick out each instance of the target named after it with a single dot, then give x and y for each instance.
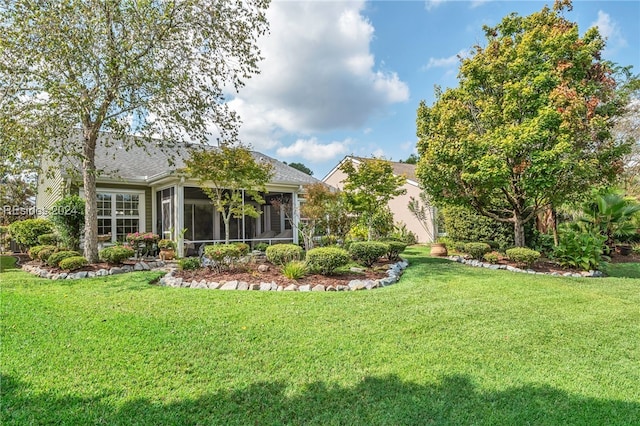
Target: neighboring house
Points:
(398, 205)
(138, 191)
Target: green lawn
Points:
(448, 344)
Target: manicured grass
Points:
(448, 344)
(628, 270)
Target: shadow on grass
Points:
(8, 263)
(375, 400)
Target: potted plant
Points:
(167, 249)
(439, 248)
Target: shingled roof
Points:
(399, 169)
(151, 161)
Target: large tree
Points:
(231, 177)
(529, 124)
(150, 68)
(369, 186)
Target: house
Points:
(138, 191)
(426, 232)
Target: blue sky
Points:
(346, 77)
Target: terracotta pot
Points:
(167, 254)
(438, 249)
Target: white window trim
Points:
(141, 207)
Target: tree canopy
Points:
(228, 175)
(302, 168)
(529, 125)
(151, 68)
(369, 186)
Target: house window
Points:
(120, 213)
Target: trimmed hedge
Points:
(34, 252)
(48, 239)
(189, 263)
(492, 257)
(395, 248)
(477, 250)
(116, 254)
(281, 254)
(463, 224)
(73, 263)
(244, 248)
(523, 255)
(368, 252)
(26, 232)
(327, 259)
(55, 259)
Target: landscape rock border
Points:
(115, 270)
(479, 264)
(393, 275)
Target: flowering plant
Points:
(142, 237)
(166, 245)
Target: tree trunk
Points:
(227, 232)
(91, 206)
(554, 218)
(518, 226)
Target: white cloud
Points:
(314, 151)
(318, 73)
(432, 4)
(478, 3)
(447, 62)
(609, 29)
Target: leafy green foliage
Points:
(368, 187)
(165, 244)
(529, 124)
(294, 270)
(612, 216)
(395, 248)
(223, 256)
(301, 167)
(280, 254)
(48, 239)
(73, 263)
(244, 248)
(466, 225)
(327, 259)
(476, 250)
(368, 252)
(26, 232)
(580, 249)
(228, 174)
(262, 246)
(116, 254)
(68, 216)
(55, 258)
(492, 257)
(41, 252)
(189, 263)
(523, 256)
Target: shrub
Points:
(328, 240)
(262, 246)
(116, 254)
(580, 249)
(44, 254)
(223, 255)
(280, 254)
(55, 258)
(294, 270)
(367, 252)
(476, 250)
(68, 216)
(523, 255)
(26, 232)
(463, 224)
(73, 263)
(34, 252)
(402, 233)
(327, 259)
(395, 248)
(48, 239)
(636, 249)
(492, 257)
(243, 247)
(189, 263)
(166, 245)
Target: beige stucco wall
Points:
(397, 205)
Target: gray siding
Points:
(50, 189)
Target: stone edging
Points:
(478, 264)
(140, 266)
(393, 275)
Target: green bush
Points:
(523, 255)
(223, 255)
(395, 248)
(165, 244)
(73, 263)
(262, 246)
(189, 263)
(328, 240)
(55, 258)
(465, 225)
(294, 270)
(68, 216)
(580, 249)
(402, 233)
(244, 248)
(476, 250)
(327, 259)
(48, 239)
(34, 252)
(44, 254)
(280, 254)
(116, 254)
(492, 257)
(26, 232)
(368, 252)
